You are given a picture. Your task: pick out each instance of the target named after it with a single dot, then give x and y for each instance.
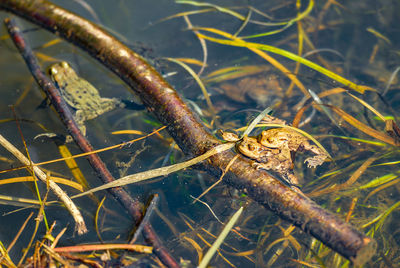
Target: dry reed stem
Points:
(80, 225)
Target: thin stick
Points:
(132, 205)
(80, 225)
(146, 218)
(18, 234)
(218, 181)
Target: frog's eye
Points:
(64, 64)
(250, 147)
(53, 71)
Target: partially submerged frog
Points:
(274, 149)
(80, 94)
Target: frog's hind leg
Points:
(316, 160)
(80, 121)
(108, 104)
(130, 105)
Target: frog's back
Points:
(80, 94)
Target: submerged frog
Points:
(80, 94)
(263, 89)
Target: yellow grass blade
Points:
(186, 13)
(378, 181)
(67, 182)
(196, 246)
(128, 131)
(96, 218)
(51, 43)
(233, 72)
(376, 143)
(210, 253)
(218, 8)
(190, 61)
(73, 166)
(369, 107)
(199, 82)
(240, 43)
(379, 35)
(44, 57)
(388, 163)
(378, 189)
(287, 24)
(363, 127)
(381, 218)
(18, 201)
(267, 57)
(254, 123)
(6, 259)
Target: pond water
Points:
(358, 40)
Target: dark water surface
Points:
(359, 40)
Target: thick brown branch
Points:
(189, 133)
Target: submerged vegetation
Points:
(328, 67)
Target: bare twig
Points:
(80, 225)
(146, 218)
(132, 205)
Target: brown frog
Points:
(260, 89)
(274, 150)
(289, 142)
(273, 159)
(276, 159)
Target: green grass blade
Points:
(240, 43)
(210, 253)
(287, 24)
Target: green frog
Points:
(80, 94)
